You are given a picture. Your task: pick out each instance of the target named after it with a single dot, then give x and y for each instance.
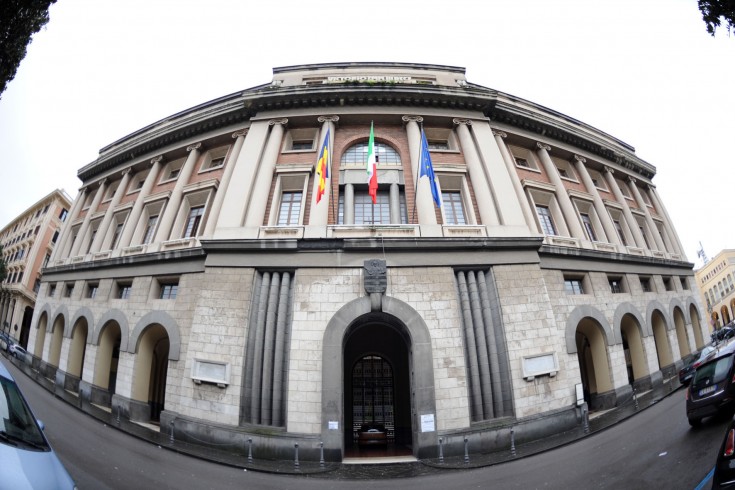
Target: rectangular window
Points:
(367, 213)
(302, 145)
(289, 212)
(37, 286)
(52, 290)
(544, 217)
(149, 229)
(64, 213)
(46, 259)
(645, 238)
(645, 284)
(438, 144)
(193, 221)
(92, 291)
(621, 235)
(168, 290)
(116, 235)
(453, 208)
(123, 291)
(68, 289)
(684, 283)
(573, 286)
(55, 237)
(588, 228)
(616, 284)
(522, 162)
(668, 284)
(217, 162)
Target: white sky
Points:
(644, 71)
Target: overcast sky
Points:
(643, 71)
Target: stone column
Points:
(673, 236)
(85, 224)
(394, 199)
(607, 224)
(480, 180)
(63, 242)
(132, 222)
(510, 165)
(224, 182)
(259, 192)
(174, 202)
(349, 212)
(632, 223)
(565, 203)
(424, 200)
(319, 213)
(649, 221)
(119, 193)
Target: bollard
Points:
(441, 451)
(296, 456)
(171, 435)
(250, 450)
(466, 453)
(585, 420)
(635, 399)
(118, 415)
(321, 455)
(512, 441)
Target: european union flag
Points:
(426, 168)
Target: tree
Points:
(713, 11)
(19, 20)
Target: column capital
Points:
(459, 121)
(282, 121)
(416, 119)
(580, 158)
(103, 182)
(609, 170)
(502, 134)
(156, 160)
(651, 187)
(195, 146)
(323, 119)
(543, 146)
(242, 132)
(127, 171)
(632, 179)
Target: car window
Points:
(16, 420)
(713, 372)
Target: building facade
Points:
(27, 244)
(715, 283)
(214, 278)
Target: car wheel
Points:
(695, 422)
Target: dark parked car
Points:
(724, 476)
(711, 389)
(686, 373)
(26, 459)
(724, 333)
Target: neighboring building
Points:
(715, 282)
(203, 283)
(28, 242)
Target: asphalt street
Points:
(653, 449)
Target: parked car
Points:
(18, 351)
(28, 459)
(711, 389)
(686, 373)
(724, 333)
(724, 475)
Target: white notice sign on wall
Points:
(427, 423)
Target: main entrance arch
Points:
(362, 329)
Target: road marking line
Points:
(706, 479)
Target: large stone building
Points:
(27, 243)
(207, 283)
(715, 283)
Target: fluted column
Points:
(565, 203)
(263, 179)
(119, 193)
(632, 223)
(510, 165)
(424, 200)
(85, 224)
(607, 224)
(649, 220)
(174, 202)
(63, 242)
(673, 236)
(319, 213)
(132, 222)
(480, 180)
(224, 182)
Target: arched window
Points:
(357, 154)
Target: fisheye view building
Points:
(715, 283)
(368, 256)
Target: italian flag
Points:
(372, 167)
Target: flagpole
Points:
(418, 175)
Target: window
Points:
(168, 290)
(564, 168)
(522, 162)
(289, 212)
(573, 286)
(45, 260)
(684, 283)
(68, 289)
(616, 285)
(37, 286)
(92, 290)
(619, 229)
(124, 290)
(55, 237)
(64, 213)
(173, 173)
(116, 234)
(645, 238)
(173, 169)
(367, 213)
(217, 162)
(453, 208)
(384, 154)
(302, 145)
(193, 221)
(588, 228)
(668, 284)
(214, 158)
(150, 227)
(545, 220)
(437, 144)
(645, 284)
(300, 139)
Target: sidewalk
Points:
(597, 422)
